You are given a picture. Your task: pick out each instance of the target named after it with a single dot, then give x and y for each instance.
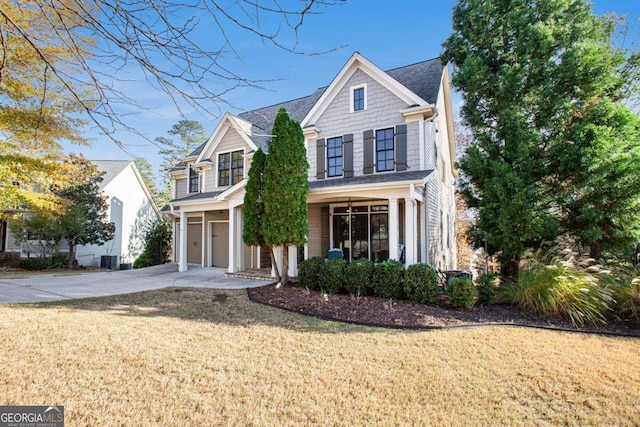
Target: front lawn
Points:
(209, 357)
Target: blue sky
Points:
(389, 33)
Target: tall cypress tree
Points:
(253, 208)
(286, 186)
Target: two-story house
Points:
(380, 146)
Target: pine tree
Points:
(286, 186)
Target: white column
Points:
(424, 239)
(410, 231)
(204, 246)
(293, 261)
(233, 241)
(182, 263)
(394, 224)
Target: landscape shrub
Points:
(560, 290)
(462, 293)
(157, 243)
(388, 279)
(357, 276)
(332, 275)
(487, 288)
(308, 272)
(40, 263)
(421, 283)
(143, 260)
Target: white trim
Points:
(217, 169)
(352, 89)
(228, 121)
(359, 62)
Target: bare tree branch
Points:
(158, 41)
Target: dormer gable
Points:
(355, 63)
(228, 121)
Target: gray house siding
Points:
(383, 111)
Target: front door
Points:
(220, 244)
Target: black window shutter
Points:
(320, 158)
(347, 153)
(401, 148)
(368, 152)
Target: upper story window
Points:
(230, 168)
(334, 156)
(384, 150)
(358, 98)
(194, 180)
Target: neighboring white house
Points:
(381, 150)
(131, 208)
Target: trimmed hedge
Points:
(462, 293)
(56, 261)
(421, 283)
(332, 275)
(143, 260)
(388, 277)
(309, 272)
(357, 276)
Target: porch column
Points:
(424, 254)
(293, 261)
(182, 263)
(410, 232)
(233, 241)
(394, 223)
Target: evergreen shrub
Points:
(421, 283)
(388, 279)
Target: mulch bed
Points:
(373, 311)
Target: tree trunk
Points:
(274, 263)
(510, 268)
(72, 254)
(595, 250)
(285, 265)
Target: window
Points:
(384, 150)
(230, 168)
(334, 156)
(358, 98)
(361, 231)
(194, 180)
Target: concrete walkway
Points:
(61, 286)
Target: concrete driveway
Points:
(61, 286)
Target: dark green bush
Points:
(357, 276)
(388, 279)
(34, 263)
(157, 243)
(55, 261)
(487, 288)
(309, 272)
(143, 260)
(332, 275)
(462, 293)
(421, 283)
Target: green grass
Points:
(211, 357)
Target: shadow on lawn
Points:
(230, 307)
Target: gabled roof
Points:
(112, 168)
(419, 82)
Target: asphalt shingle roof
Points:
(422, 78)
(112, 168)
(370, 179)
